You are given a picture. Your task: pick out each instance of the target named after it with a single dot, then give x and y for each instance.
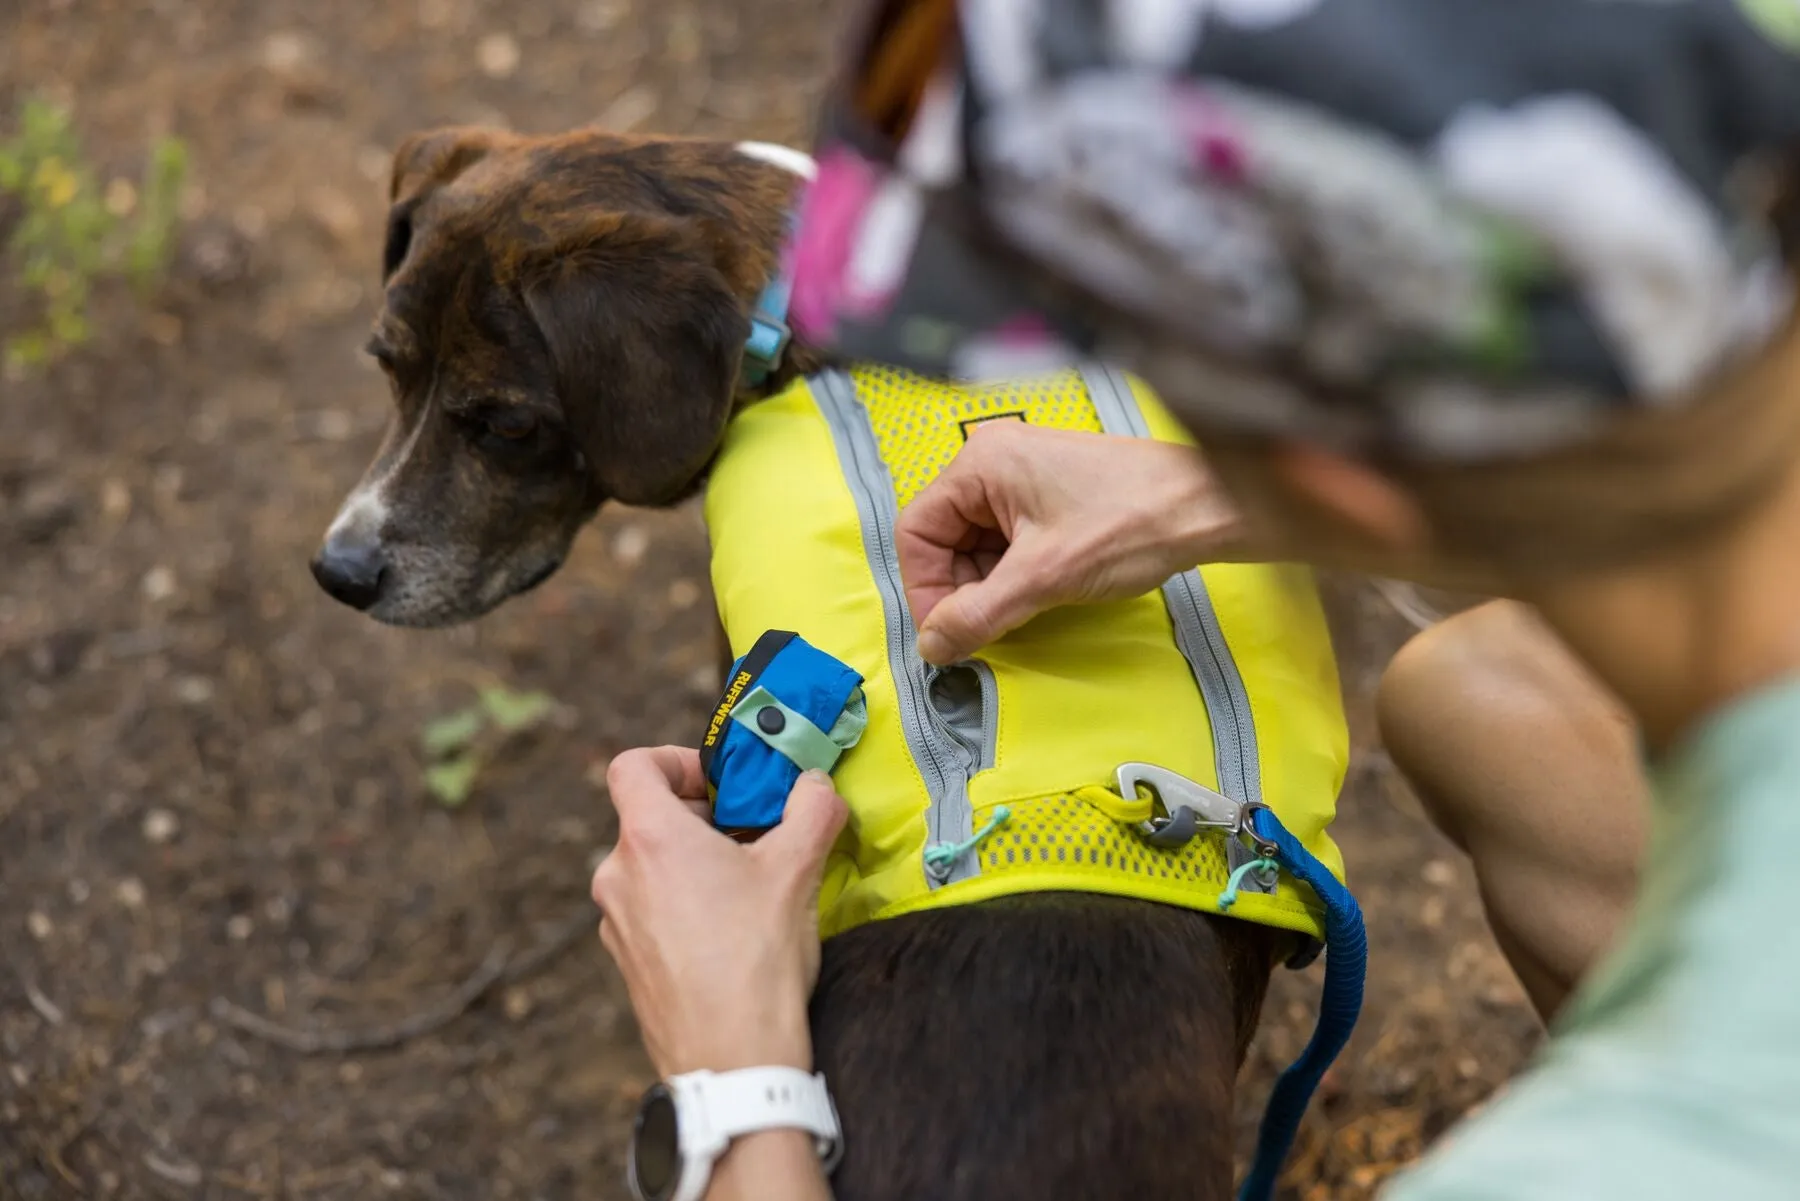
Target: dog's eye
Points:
(510, 424)
(501, 427)
(398, 242)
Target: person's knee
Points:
(1427, 708)
(1505, 736)
(1528, 765)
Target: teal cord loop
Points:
(1229, 897)
(941, 858)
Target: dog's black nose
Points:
(351, 571)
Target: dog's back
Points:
(1055, 1046)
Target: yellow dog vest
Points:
(1225, 676)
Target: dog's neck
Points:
(797, 362)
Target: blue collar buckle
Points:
(768, 341)
(769, 336)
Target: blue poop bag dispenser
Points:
(788, 707)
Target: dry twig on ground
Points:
(497, 968)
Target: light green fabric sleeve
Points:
(804, 744)
(1675, 1073)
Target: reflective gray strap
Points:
(1198, 634)
(943, 762)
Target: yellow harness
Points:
(999, 776)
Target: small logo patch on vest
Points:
(732, 693)
(969, 425)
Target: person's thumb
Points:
(980, 611)
(814, 815)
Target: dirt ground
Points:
(210, 776)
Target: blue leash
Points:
(1346, 964)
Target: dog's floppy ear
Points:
(646, 339)
(426, 161)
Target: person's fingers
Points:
(969, 618)
(929, 571)
(605, 881)
(609, 936)
(810, 823)
(642, 781)
(677, 767)
(967, 566)
(935, 532)
(981, 564)
(680, 766)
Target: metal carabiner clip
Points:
(1187, 807)
(1247, 830)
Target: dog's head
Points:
(563, 323)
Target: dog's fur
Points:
(563, 324)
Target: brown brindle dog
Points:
(563, 325)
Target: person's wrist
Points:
(802, 1144)
(1199, 519)
(754, 1160)
(778, 1039)
(785, 1142)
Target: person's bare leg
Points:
(1530, 766)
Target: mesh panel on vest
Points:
(920, 424)
(1071, 834)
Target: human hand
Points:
(718, 942)
(1027, 518)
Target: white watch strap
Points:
(767, 1098)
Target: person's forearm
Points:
(772, 1163)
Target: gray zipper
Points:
(990, 713)
(945, 759)
(1201, 639)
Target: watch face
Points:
(655, 1146)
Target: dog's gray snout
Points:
(351, 570)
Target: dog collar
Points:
(769, 332)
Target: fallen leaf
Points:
(452, 782)
(513, 711)
(451, 733)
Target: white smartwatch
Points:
(685, 1123)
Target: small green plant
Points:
(72, 233)
(458, 744)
